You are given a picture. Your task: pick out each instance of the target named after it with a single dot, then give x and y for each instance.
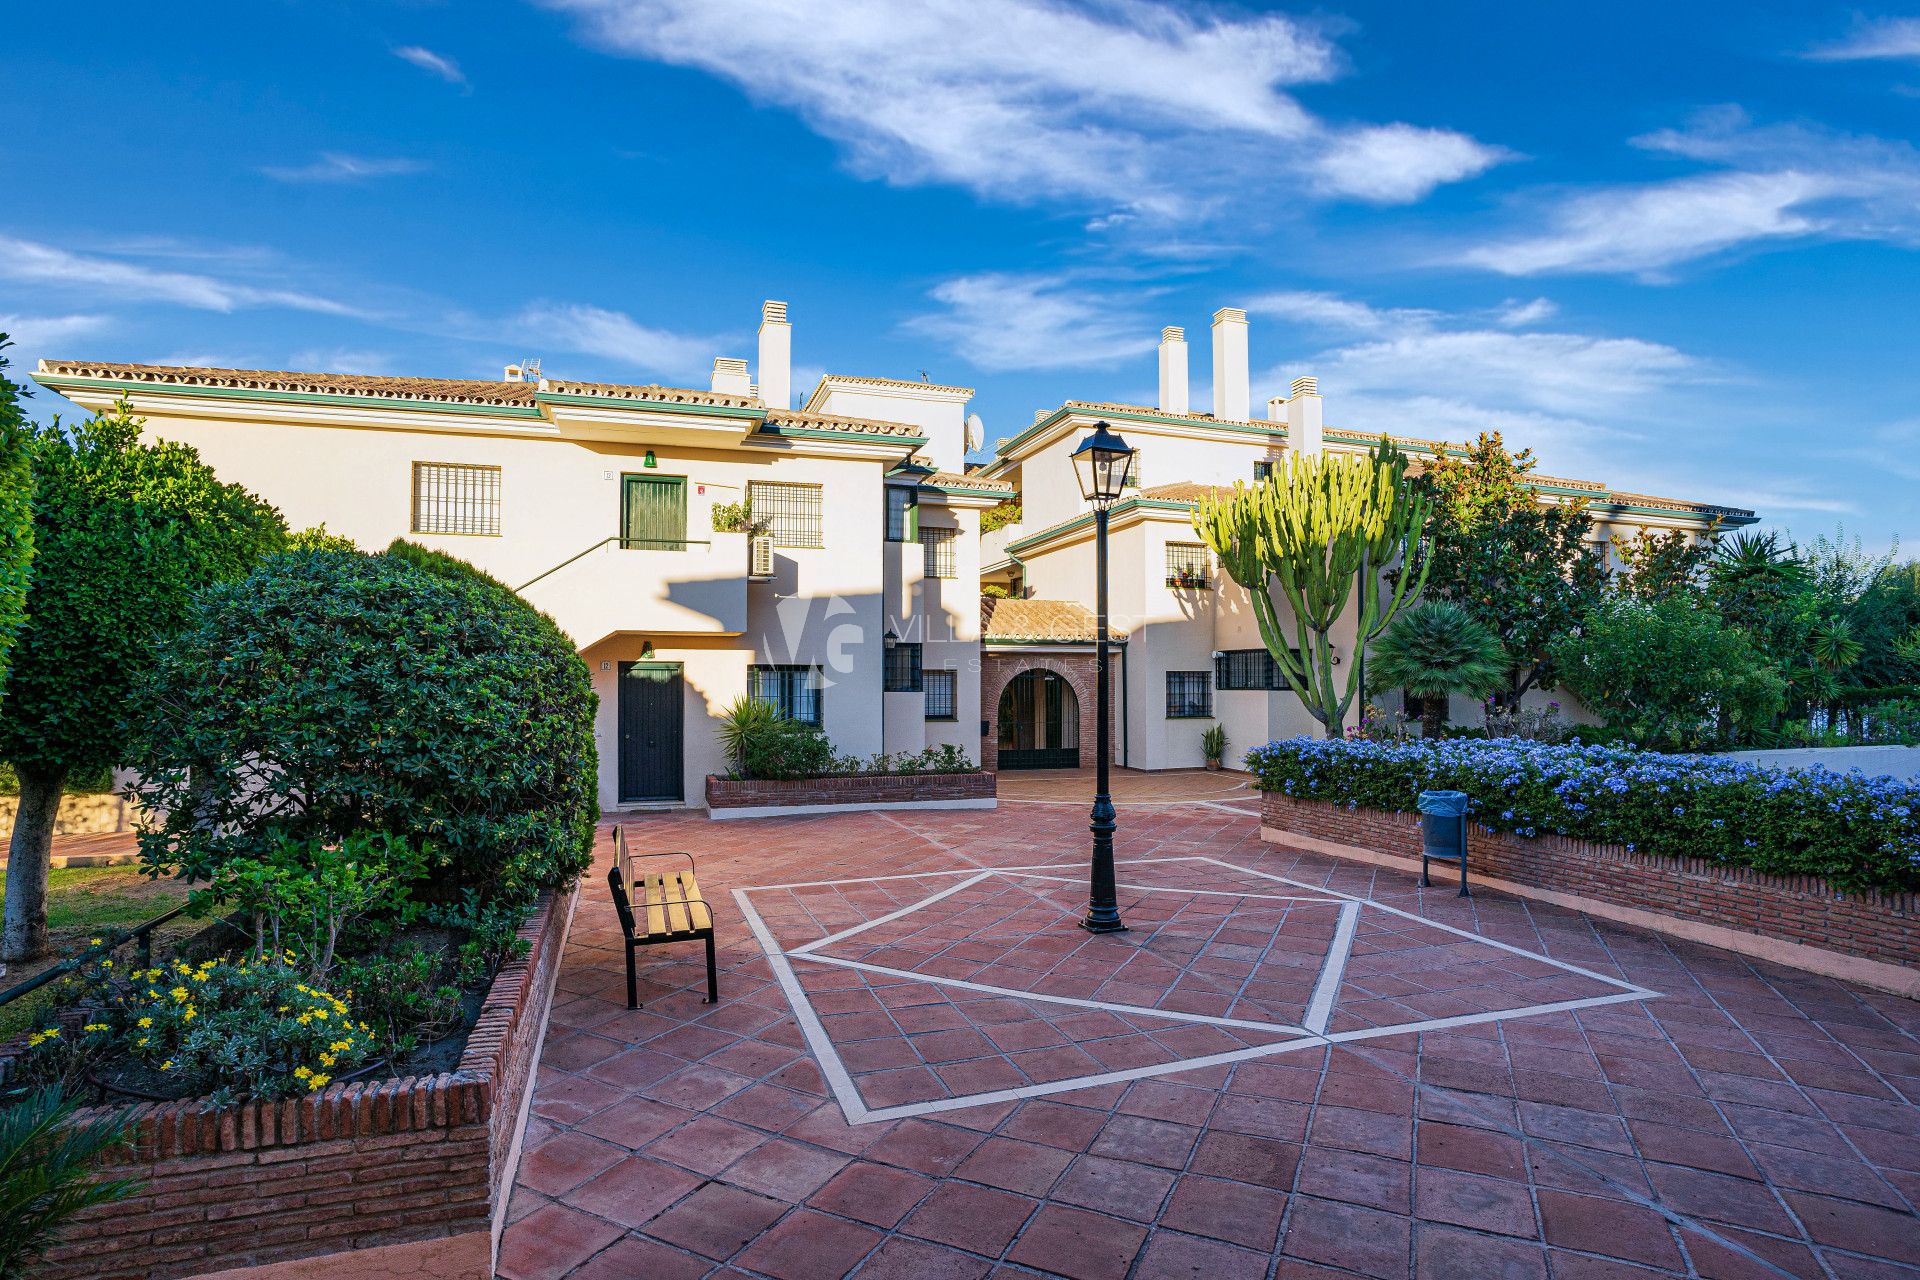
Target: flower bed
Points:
(1856, 834)
(767, 797)
(408, 1175)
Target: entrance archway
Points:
(1039, 722)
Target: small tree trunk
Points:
(1433, 714)
(25, 934)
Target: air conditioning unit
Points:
(760, 557)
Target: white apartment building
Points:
(855, 605)
(1191, 653)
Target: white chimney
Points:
(514, 373)
(730, 377)
(776, 356)
(1231, 397)
(1277, 409)
(1304, 427)
(1173, 370)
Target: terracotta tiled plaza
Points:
(1288, 1067)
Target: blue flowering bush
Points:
(1859, 833)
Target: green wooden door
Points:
(653, 513)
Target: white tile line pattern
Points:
(971, 871)
(832, 1069)
(854, 1106)
(1157, 888)
(1327, 989)
(809, 948)
(1129, 1010)
(1468, 934)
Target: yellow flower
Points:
(179, 993)
(317, 1081)
(304, 1019)
(167, 1065)
(301, 1073)
(152, 994)
(106, 964)
(326, 1060)
(95, 1026)
(141, 1043)
(94, 942)
(320, 1014)
(201, 976)
(189, 1015)
(145, 1023)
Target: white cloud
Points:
(432, 63)
(1774, 183)
(341, 360)
(1884, 38)
(1138, 105)
(1336, 312)
(110, 278)
(1399, 164)
(335, 166)
(1514, 314)
(35, 337)
(615, 335)
(1003, 321)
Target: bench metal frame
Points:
(619, 877)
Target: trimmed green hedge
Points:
(1856, 832)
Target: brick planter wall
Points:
(974, 789)
(410, 1170)
(1870, 938)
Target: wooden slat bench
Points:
(658, 906)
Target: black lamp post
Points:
(1102, 463)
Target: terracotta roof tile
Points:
(893, 382)
(954, 480)
(1186, 491)
(373, 386)
(653, 392)
(839, 422)
(1057, 621)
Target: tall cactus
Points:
(1323, 528)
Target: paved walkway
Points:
(1129, 786)
(1290, 1067)
(1888, 762)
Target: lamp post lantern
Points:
(1102, 464)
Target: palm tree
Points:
(1434, 651)
(46, 1172)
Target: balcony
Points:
(690, 588)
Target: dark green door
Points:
(653, 513)
(651, 713)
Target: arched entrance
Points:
(1039, 723)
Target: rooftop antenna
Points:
(530, 370)
(924, 377)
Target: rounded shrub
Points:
(330, 694)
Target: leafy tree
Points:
(1323, 530)
(16, 514)
(1522, 567)
(1664, 672)
(125, 534)
(47, 1173)
(999, 517)
(1657, 565)
(332, 695)
(1434, 651)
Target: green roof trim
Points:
(124, 386)
(1139, 415)
(1085, 521)
(635, 402)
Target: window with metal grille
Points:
(1189, 695)
(903, 513)
(903, 668)
(790, 512)
(940, 686)
(451, 497)
(1263, 469)
(792, 691)
(1187, 565)
(938, 545)
(1248, 669)
(1132, 479)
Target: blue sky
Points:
(1672, 250)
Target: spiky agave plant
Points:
(1434, 651)
(746, 720)
(1321, 530)
(47, 1173)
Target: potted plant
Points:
(1213, 745)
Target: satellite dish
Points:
(976, 432)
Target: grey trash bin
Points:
(1443, 828)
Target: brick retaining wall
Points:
(1872, 938)
(853, 790)
(287, 1188)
